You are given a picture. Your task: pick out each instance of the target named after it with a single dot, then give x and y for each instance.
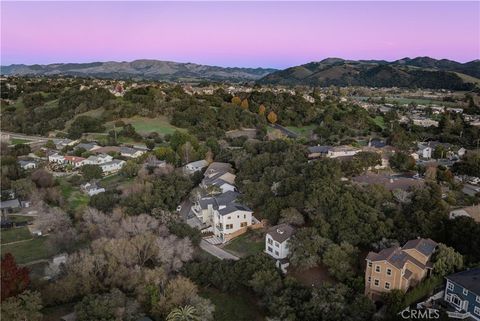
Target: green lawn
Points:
(379, 121)
(73, 195)
(144, 125)
(246, 244)
(28, 251)
(18, 141)
(238, 306)
(15, 234)
(303, 130)
(20, 218)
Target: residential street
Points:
(216, 251)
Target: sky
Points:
(237, 34)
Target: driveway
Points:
(216, 251)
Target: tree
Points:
(91, 171)
(402, 162)
(236, 100)
(111, 306)
(130, 169)
(24, 307)
(340, 259)
(291, 216)
(244, 104)
(15, 279)
(272, 117)
(306, 247)
(42, 178)
(261, 110)
(185, 313)
(446, 260)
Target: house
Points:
(389, 182)
(197, 166)
(398, 268)
(462, 292)
(469, 211)
(62, 143)
(9, 206)
(318, 151)
(276, 244)
(87, 146)
(56, 158)
(99, 159)
(75, 161)
(342, 151)
(424, 122)
(27, 164)
(131, 152)
(91, 188)
(205, 208)
(231, 219)
(424, 151)
(112, 166)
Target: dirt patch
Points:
(313, 277)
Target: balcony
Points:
(458, 315)
(219, 227)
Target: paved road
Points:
(216, 251)
(26, 137)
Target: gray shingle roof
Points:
(469, 279)
(281, 232)
(424, 246)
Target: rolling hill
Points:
(421, 72)
(140, 69)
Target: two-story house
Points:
(462, 292)
(398, 268)
(230, 219)
(276, 244)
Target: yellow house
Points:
(398, 267)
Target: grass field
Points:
(249, 243)
(95, 113)
(379, 121)
(15, 234)
(237, 306)
(20, 218)
(73, 195)
(303, 131)
(144, 125)
(18, 141)
(28, 251)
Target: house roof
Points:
(26, 162)
(281, 232)
(472, 211)
(218, 167)
(469, 279)
(200, 163)
(319, 149)
(233, 207)
(74, 159)
(424, 246)
(10, 204)
(389, 182)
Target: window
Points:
(270, 241)
(389, 271)
(377, 268)
(238, 216)
(387, 285)
(369, 279)
(376, 282)
(270, 249)
(276, 253)
(229, 226)
(450, 286)
(476, 310)
(244, 215)
(243, 224)
(369, 264)
(465, 292)
(277, 244)
(478, 299)
(229, 217)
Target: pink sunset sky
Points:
(243, 34)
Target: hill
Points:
(422, 72)
(140, 69)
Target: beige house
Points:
(398, 267)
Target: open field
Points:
(304, 131)
(15, 234)
(144, 125)
(379, 121)
(95, 113)
(246, 244)
(232, 306)
(32, 250)
(18, 141)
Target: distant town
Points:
(213, 198)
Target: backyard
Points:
(246, 244)
(28, 250)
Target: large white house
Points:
(99, 159)
(230, 219)
(197, 166)
(131, 152)
(342, 151)
(276, 244)
(92, 188)
(112, 166)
